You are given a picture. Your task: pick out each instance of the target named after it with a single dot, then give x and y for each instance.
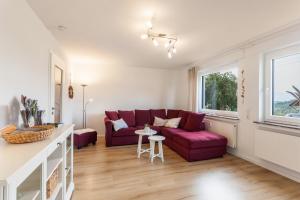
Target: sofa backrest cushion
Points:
(128, 117)
(161, 113)
(194, 122)
(183, 115)
(171, 113)
(112, 115)
(142, 117)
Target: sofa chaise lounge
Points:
(190, 140)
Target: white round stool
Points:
(153, 140)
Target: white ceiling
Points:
(108, 31)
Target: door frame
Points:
(55, 61)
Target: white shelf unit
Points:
(26, 168)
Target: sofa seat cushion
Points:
(156, 128)
(125, 132)
(200, 139)
(142, 117)
(171, 132)
(128, 117)
(171, 113)
(161, 113)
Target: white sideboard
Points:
(26, 168)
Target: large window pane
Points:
(219, 91)
(286, 74)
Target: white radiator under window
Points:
(225, 128)
(279, 148)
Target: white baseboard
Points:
(267, 165)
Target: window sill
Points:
(222, 117)
(268, 123)
(280, 127)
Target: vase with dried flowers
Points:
(31, 115)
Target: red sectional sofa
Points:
(190, 139)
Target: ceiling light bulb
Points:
(169, 55)
(149, 24)
(144, 36)
(174, 50)
(167, 44)
(155, 43)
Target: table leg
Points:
(152, 148)
(161, 152)
(139, 146)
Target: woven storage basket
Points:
(27, 136)
(52, 183)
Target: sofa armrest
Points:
(108, 131)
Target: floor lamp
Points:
(84, 105)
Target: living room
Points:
(149, 99)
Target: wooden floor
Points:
(116, 174)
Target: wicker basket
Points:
(34, 134)
(52, 183)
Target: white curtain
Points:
(192, 79)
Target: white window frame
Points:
(203, 73)
(268, 84)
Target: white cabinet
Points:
(26, 169)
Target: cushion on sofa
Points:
(173, 123)
(171, 132)
(159, 121)
(112, 115)
(171, 113)
(119, 124)
(128, 117)
(200, 139)
(142, 117)
(183, 115)
(161, 113)
(125, 132)
(194, 122)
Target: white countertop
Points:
(15, 156)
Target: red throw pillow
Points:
(172, 113)
(142, 117)
(128, 117)
(194, 122)
(112, 115)
(161, 113)
(183, 115)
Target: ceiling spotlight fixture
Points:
(155, 42)
(144, 36)
(169, 40)
(170, 55)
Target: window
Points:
(282, 98)
(218, 91)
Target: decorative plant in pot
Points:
(296, 95)
(31, 115)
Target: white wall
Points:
(124, 88)
(24, 59)
(250, 59)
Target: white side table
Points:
(142, 133)
(153, 140)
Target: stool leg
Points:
(139, 146)
(161, 151)
(152, 147)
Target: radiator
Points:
(225, 128)
(281, 149)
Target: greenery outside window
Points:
(218, 92)
(282, 85)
